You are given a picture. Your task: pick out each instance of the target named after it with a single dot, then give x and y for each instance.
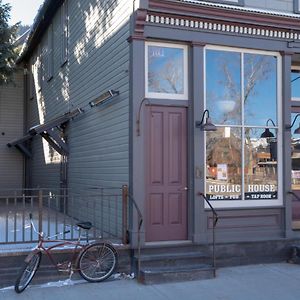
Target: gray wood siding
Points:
(246, 225)
(98, 60)
(11, 128)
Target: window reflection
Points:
(260, 164)
(223, 86)
(295, 175)
(165, 70)
(223, 158)
(295, 82)
(260, 89)
(295, 144)
(239, 157)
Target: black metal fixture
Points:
(267, 133)
(297, 130)
(138, 119)
(104, 97)
(208, 125)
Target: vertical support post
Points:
(286, 141)
(40, 209)
(124, 213)
(198, 214)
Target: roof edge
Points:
(41, 22)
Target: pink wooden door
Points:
(166, 173)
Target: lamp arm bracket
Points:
(271, 122)
(290, 126)
(203, 115)
(138, 118)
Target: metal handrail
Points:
(140, 222)
(294, 194)
(215, 220)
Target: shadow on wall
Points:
(71, 85)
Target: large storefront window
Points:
(295, 176)
(295, 83)
(242, 97)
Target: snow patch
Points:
(7, 288)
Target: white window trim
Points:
(298, 69)
(252, 203)
(297, 6)
(171, 96)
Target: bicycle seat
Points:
(85, 225)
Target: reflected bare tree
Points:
(169, 79)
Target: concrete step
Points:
(155, 275)
(173, 259)
(175, 248)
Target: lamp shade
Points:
(267, 134)
(297, 130)
(208, 126)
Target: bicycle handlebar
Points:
(41, 234)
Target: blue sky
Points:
(23, 10)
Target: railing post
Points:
(215, 220)
(214, 244)
(124, 213)
(40, 210)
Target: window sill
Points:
(245, 204)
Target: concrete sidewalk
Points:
(255, 282)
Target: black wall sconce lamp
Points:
(104, 97)
(208, 125)
(267, 133)
(297, 130)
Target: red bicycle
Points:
(94, 261)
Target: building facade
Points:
(12, 126)
(173, 63)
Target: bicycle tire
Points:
(97, 262)
(27, 272)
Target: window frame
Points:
(292, 69)
(64, 32)
(250, 203)
(31, 87)
(50, 53)
(171, 96)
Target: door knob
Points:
(183, 189)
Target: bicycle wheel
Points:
(97, 262)
(27, 272)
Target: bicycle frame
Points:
(78, 246)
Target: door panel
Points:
(166, 173)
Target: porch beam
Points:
(55, 144)
(24, 150)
